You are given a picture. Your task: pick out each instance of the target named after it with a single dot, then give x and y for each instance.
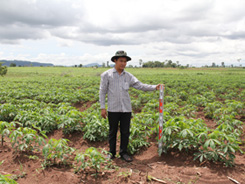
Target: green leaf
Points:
(212, 144)
(206, 145)
(180, 147)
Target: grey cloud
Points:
(33, 19)
(105, 39)
(199, 54)
(143, 25)
(12, 34)
(236, 35)
(8, 41)
(52, 13)
(126, 38)
(196, 11)
(37, 19)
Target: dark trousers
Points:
(124, 119)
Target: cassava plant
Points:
(93, 159)
(5, 129)
(56, 152)
(27, 139)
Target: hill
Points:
(92, 64)
(24, 63)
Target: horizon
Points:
(111, 65)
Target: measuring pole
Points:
(160, 119)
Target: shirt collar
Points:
(114, 70)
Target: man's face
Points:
(121, 63)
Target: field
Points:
(52, 132)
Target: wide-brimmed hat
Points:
(120, 53)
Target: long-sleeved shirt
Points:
(116, 86)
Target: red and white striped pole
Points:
(160, 119)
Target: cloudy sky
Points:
(68, 32)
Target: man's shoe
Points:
(127, 158)
(110, 156)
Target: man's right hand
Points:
(104, 113)
(158, 86)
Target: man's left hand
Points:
(158, 86)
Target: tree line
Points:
(164, 64)
(214, 65)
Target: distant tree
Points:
(81, 65)
(169, 63)
(178, 65)
(140, 62)
(12, 65)
(103, 65)
(174, 65)
(149, 64)
(3, 70)
(213, 64)
(130, 66)
(158, 64)
(75, 65)
(163, 64)
(223, 64)
(107, 64)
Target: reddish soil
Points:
(174, 167)
(82, 106)
(210, 122)
(135, 111)
(241, 118)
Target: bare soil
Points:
(210, 122)
(82, 106)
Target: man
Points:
(115, 82)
